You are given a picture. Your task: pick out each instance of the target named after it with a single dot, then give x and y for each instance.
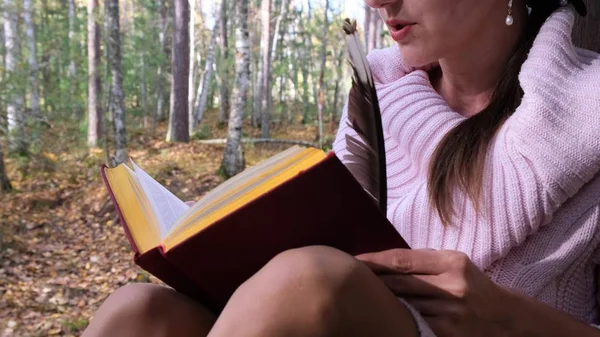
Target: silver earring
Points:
(509, 19)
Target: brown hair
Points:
(459, 159)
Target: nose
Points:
(379, 3)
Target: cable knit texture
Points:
(538, 231)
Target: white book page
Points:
(166, 206)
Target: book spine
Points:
(157, 263)
(118, 210)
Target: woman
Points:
(492, 135)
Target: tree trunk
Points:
(321, 100)
(95, 119)
(373, 30)
(192, 60)
(144, 89)
(258, 91)
(72, 70)
(260, 111)
(159, 114)
(204, 84)
(305, 55)
(33, 64)
(178, 112)
(117, 104)
(379, 35)
(277, 36)
(5, 185)
(233, 156)
(586, 33)
(223, 67)
(266, 43)
(14, 105)
(367, 25)
(334, 110)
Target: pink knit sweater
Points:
(540, 230)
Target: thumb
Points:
(406, 261)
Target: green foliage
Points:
(76, 325)
(205, 132)
(328, 142)
(83, 128)
(221, 173)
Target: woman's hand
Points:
(458, 299)
(452, 294)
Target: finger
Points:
(435, 306)
(407, 261)
(416, 285)
(190, 203)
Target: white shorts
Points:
(424, 329)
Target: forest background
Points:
(193, 90)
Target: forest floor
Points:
(62, 250)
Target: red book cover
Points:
(323, 205)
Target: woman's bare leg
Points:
(314, 291)
(149, 310)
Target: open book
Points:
(299, 197)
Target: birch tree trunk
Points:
(125, 16)
(276, 37)
(144, 89)
(367, 26)
(260, 111)
(305, 55)
(32, 59)
(258, 90)
(14, 104)
(339, 74)
(223, 66)
(379, 35)
(321, 100)
(192, 56)
(373, 30)
(5, 185)
(233, 156)
(178, 112)
(72, 70)
(159, 114)
(266, 43)
(95, 120)
(204, 84)
(117, 104)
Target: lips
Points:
(398, 24)
(399, 29)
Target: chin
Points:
(416, 56)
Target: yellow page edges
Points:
(189, 218)
(140, 223)
(277, 180)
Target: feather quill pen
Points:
(366, 158)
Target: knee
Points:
(128, 311)
(319, 266)
(137, 301)
(319, 273)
